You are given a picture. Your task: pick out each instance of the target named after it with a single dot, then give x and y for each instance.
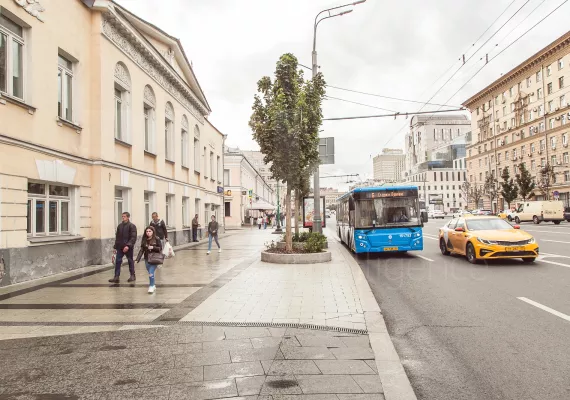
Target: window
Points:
(48, 209)
(169, 211)
(543, 162)
(226, 177)
(185, 143)
(539, 93)
(169, 132)
(523, 148)
(196, 155)
(504, 112)
(512, 122)
(528, 81)
(205, 156)
(496, 100)
(11, 57)
(122, 102)
(565, 158)
(549, 70)
(553, 160)
(532, 147)
(540, 110)
(227, 209)
(64, 88)
(498, 157)
(566, 176)
(560, 64)
(511, 91)
(565, 139)
(121, 203)
(541, 127)
(506, 155)
(551, 106)
(185, 211)
(480, 161)
(542, 145)
(551, 123)
(549, 88)
(539, 76)
(553, 142)
(562, 101)
(561, 82)
(148, 206)
(532, 165)
(512, 107)
(149, 104)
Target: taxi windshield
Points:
(489, 224)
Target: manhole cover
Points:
(286, 383)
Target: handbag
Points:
(155, 258)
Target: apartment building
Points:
(389, 165)
(522, 118)
(241, 176)
(101, 113)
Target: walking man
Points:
(125, 239)
(195, 226)
(213, 234)
(259, 222)
(159, 227)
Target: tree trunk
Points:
(297, 213)
(288, 235)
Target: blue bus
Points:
(380, 219)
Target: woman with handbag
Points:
(151, 248)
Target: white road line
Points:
(554, 241)
(554, 263)
(553, 232)
(545, 308)
(423, 258)
(429, 237)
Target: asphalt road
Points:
(462, 330)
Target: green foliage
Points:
(546, 178)
(524, 183)
(315, 243)
(299, 237)
(509, 190)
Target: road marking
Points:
(429, 237)
(554, 263)
(553, 232)
(545, 308)
(554, 241)
(423, 258)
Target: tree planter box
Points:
(304, 258)
(296, 245)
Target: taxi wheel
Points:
(443, 247)
(470, 254)
(529, 260)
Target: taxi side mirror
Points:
(517, 226)
(459, 229)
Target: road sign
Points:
(228, 193)
(250, 193)
(326, 150)
(556, 195)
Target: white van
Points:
(538, 211)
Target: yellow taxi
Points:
(486, 238)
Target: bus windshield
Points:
(387, 212)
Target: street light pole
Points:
(278, 228)
(317, 222)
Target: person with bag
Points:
(151, 248)
(213, 234)
(159, 227)
(125, 239)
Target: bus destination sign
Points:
(386, 194)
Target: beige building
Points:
(100, 113)
(523, 117)
(390, 165)
(331, 195)
(240, 177)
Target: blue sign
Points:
(220, 189)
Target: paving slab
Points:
(232, 370)
(348, 367)
(328, 384)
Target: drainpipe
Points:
(223, 182)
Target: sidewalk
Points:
(309, 330)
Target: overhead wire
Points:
(360, 104)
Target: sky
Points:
(398, 49)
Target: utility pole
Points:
(278, 229)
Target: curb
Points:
(392, 374)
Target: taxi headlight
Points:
(531, 240)
(485, 241)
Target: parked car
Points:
(486, 238)
(461, 213)
(436, 214)
(506, 214)
(567, 214)
(482, 212)
(539, 211)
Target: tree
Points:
(490, 188)
(466, 191)
(476, 193)
(509, 190)
(546, 178)
(285, 121)
(524, 183)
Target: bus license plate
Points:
(390, 249)
(514, 248)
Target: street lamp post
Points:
(317, 222)
(278, 229)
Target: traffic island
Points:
(297, 245)
(299, 257)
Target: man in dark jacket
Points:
(125, 239)
(195, 226)
(213, 234)
(159, 227)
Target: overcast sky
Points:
(395, 49)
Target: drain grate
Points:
(197, 323)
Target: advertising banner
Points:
(436, 198)
(309, 212)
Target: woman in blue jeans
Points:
(150, 243)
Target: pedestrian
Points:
(195, 226)
(159, 228)
(125, 239)
(265, 221)
(213, 234)
(150, 243)
(259, 222)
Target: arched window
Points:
(185, 142)
(196, 149)
(122, 102)
(169, 131)
(149, 109)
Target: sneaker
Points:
(220, 250)
(208, 252)
(132, 278)
(151, 289)
(114, 280)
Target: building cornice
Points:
(128, 41)
(523, 68)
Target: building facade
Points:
(331, 195)
(522, 118)
(240, 177)
(390, 165)
(101, 114)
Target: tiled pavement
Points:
(117, 341)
